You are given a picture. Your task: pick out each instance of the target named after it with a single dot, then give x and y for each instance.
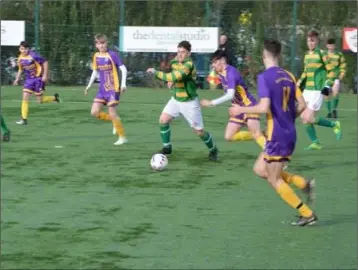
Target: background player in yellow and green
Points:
(339, 65)
(316, 80)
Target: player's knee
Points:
(164, 119)
(94, 112)
(199, 132)
(228, 137)
(260, 171)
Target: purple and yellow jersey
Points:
(107, 64)
(280, 87)
(231, 79)
(31, 64)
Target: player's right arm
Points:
(19, 72)
(175, 75)
(303, 77)
(94, 74)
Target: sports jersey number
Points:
(286, 97)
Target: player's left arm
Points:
(44, 64)
(230, 92)
(175, 75)
(300, 102)
(342, 66)
(330, 73)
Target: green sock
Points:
(208, 140)
(328, 104)
(4, 128)
(165, 135)
(311, 131)
(324, 122)
(335, 102)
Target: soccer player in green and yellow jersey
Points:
(184, 101)
(317, 79)
(338, 63)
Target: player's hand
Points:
(44, 79)
(16, 82)
(123, 89)
(325, 91)
(235, 110)
(170, 84)
(150, 70)
(86, 91)
(205, 103)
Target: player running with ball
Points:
(184, 101)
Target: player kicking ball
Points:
(236, 91)
(184, 101)
(278, 96)
(35, 68)
(108, 64)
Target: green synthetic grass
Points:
(94, 205)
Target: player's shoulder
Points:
(188, 63)
(95, 55)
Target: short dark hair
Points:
(272, 46)
(24, 44)
(185, 44)
(313, 33)
(331, 41)
(218, 54)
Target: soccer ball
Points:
(159, 162)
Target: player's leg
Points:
(191, 111)
(170, 111)
(25, 106)
(274, 172)
(328, 102)
(116, 121)
(314, 101)
(335, 97)
(254, 127)
(39, 92)
(4, 130)
(233, 130)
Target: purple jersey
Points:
(31, 64)
(280, 87)
(107, 64)
(231, 79)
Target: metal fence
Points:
(63, 31)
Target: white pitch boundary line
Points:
(90, 101)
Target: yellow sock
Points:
(290, 197)
(117, 123)
(104, 116)
(261, 141)
(242, 136)
(24, 109)
(297, 180)
(47, 99)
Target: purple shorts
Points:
(109, 98)
(34, 85)
(279, 151)
(242, 118)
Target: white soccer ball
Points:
(159, 162)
